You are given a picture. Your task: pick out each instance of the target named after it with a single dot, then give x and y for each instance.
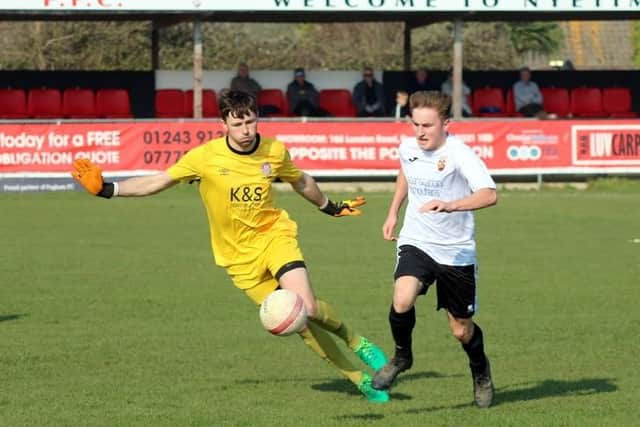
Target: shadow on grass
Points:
(271, 380)
(341, 385)
(337, 385)
(541, 390)
(425, 374)
(344, 386)
(556, 388)
(7, 317)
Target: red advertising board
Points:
(606, 144)
(323, 148)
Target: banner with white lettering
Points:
(476, 6)
(41, 154)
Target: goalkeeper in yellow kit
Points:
(253, 240)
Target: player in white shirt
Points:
(444, 181)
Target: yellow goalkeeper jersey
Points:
(236, 190)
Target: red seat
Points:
(616, 101)
(275, 98)
(170, 103)
(489, 102)
(587, 102)
(13, 104)
(113, 104)
(511, 105)
(79, 104)
(555, 100)
(209, 103)
(337, 102)
(45, 103)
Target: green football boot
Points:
(371, 354)
(372, 395)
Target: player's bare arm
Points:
(89, 176)
(145, 185)
(481, 198)
(399, 196)
(308, 188)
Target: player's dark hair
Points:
(431, 99)
(237, 104)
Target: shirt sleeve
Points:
(189, 166)
(537, 95)
(288, 171)
(474, 170)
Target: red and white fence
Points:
(37, 156)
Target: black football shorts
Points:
(455, 285)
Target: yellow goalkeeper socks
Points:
(327, 318)
(347, 334)
(321, 342)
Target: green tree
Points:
(636, 43)
(340, 46)
(75, 45)
(535, 37)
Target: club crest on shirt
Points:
(441, 164)
(266, 169)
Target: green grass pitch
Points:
(113, 314)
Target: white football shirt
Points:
(451, 172)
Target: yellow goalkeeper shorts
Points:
(257, 279)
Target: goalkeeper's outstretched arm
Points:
(145, 185)
(308, 188)
(89, 176)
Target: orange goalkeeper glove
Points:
(90, 177)
(344, 207)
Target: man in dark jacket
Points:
(368, 95)
(421, 82)
(244, 83)
(303, 97)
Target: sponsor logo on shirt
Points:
(413, 159)
(245, 194)
(425, 187)
(223, 171)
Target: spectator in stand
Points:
(368, 95)
(421, 82)
(402, 105)
(303, 97)
(244, 83)
(447, 89)
(527, 96)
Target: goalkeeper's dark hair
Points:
(431, 99)
(235, 103)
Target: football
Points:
(282, 313)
